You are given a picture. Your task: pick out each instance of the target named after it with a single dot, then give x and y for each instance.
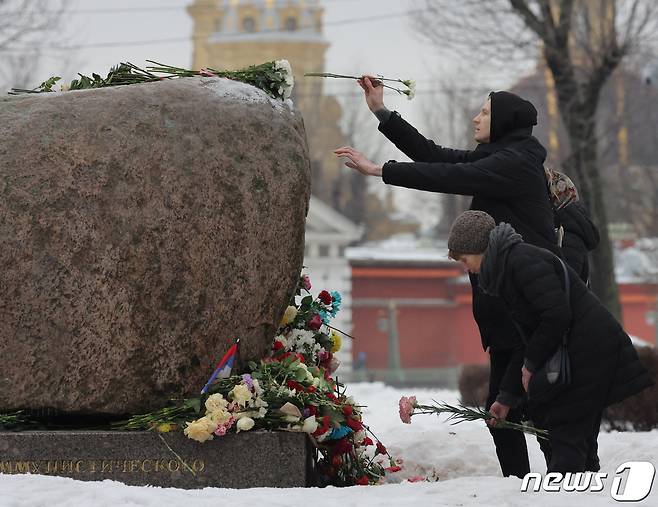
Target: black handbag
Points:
(554, 376)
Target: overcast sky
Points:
(377, 38)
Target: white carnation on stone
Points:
(244, 424)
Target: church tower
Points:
(232, 34)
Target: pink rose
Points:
(306, 282)
(416, 478)
(315, 322)
(407, 406)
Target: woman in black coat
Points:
(581, 236)
(505, 176)
(604, 364)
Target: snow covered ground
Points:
(461, 456)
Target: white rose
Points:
(245, 424)
(216, 403)
(241, 394)
(257, 388)
(259, 402)
(310, 424)
(200, 430)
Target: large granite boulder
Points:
(143, 229)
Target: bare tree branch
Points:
(25, 28)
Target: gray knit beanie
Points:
(470, 232)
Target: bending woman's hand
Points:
(357, 160)
(525, 378)
(499, 412)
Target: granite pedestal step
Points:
(244, 460)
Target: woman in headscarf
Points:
(605, 368)
(579, 235)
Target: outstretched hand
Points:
(357, 160)
(526, 375)
(374, 92)
(499, 412)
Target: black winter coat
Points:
(506, 180)
(604, 364)
(581, 236)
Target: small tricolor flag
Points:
(223, 368)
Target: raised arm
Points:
(405, 137)
(500, 175)
(417, 147)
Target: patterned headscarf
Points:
(561, 188)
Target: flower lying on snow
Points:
(407, 406)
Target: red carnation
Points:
(395, 468)
(325, 297)
(294, 385)
(332, 397)
(277, 345)
(363, 480)
(311, 389)
(381, 449)
(342, 446)
(367, 441)
(348, 410)
(354, 424)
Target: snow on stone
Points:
(243, 92)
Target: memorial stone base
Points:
(244, 460)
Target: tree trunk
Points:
(584, 159)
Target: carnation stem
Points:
(177, 456)
(342, 332)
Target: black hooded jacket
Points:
(505, 177)
(581, 236)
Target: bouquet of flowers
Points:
(409, 406)
(274, 78)
(291, 389)
(410, 84)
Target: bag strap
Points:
(567, 290)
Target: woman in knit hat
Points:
(605, 367)
(505, 176)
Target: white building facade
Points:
(328, 234)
